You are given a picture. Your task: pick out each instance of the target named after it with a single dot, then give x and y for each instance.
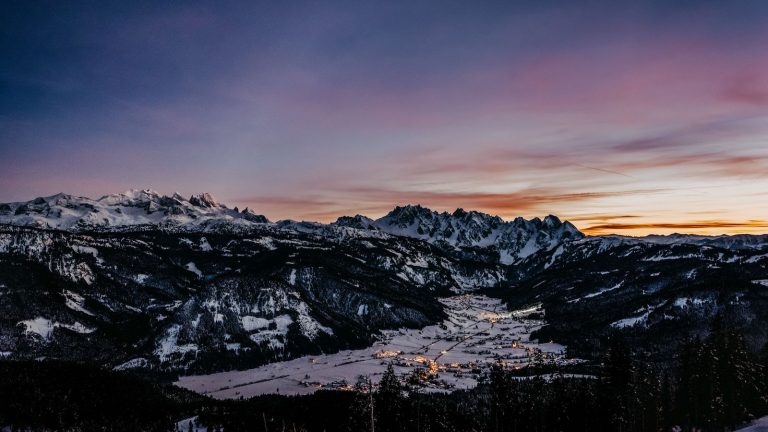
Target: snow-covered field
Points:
(479, 332)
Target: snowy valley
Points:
(457, 353)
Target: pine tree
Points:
(499, 395)
(689, 395)
(362, 412)
(390, 401)
(667, 415)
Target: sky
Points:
(629, 117)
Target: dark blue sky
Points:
(313, 109)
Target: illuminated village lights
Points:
(386, 354)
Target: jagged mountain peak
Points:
(130, 197)
(204, 200)
(461, 229)
(408, 213)
(357, 221)
(552, 221)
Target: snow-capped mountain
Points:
(140, 279)
(131, 208)
(472, 233)
(513, 240)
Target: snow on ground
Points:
(190, 424)
(479, 331)
(636, 320)
(76, 327)
(75, 302)
(44, 327)
(759, 425)
(598, 293)
(631, 321)
(684, 302)
(41, 326)
(168, 345)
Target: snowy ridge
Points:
(513, 240)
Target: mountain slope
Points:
(207, 301)
(653, 291)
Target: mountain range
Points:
(174, 284)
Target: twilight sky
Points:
(622, 116)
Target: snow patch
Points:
(40, 326)
(138, 362)
(292, 277)
(168, 346)
(362, 309)
(44, 327)
(193, 268)
(251, 323)
(75, 302)
(684, 302)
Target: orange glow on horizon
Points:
(710, 227)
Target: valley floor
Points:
(454, 354)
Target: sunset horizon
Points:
(630, 118)
(589, 224)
